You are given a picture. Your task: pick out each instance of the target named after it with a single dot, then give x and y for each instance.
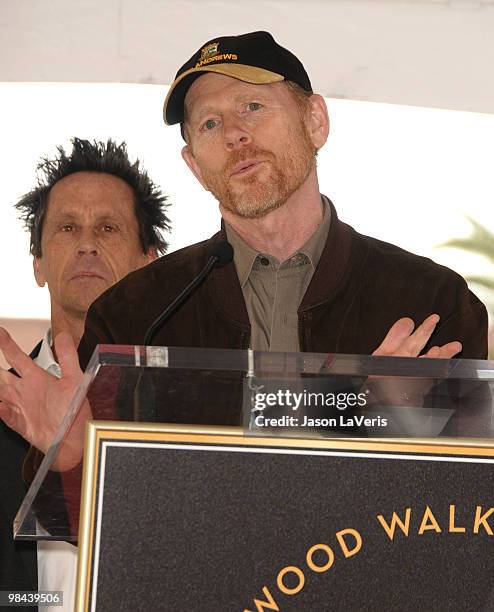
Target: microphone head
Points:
(223, 252)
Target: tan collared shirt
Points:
(273, 290)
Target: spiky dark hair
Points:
(97, 156)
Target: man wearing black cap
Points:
(300, 279)
(253, 128)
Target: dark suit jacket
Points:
(18, 560)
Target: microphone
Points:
(221, 254)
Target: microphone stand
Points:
(144, 398)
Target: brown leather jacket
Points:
(360, 288)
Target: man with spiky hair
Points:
(103, 206)
(93, 218)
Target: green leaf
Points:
(480, 241)
(484, 281)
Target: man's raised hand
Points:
(35, 402)
(403, 341)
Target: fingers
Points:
(67, 356)
(432, 353)
(395, 337)
(10, 412)
(12, 417)
(451, 349)
(7, 378)
(22, 363)
(444, 352)
(416, 342)
(8, 387)
(403, 341)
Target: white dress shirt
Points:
(57, 561)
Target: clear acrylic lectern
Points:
(302, 395)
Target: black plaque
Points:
(206, 522)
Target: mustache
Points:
(242, 155)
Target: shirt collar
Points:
(245, 256)
(45, 358)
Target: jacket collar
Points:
(332, 266)
(225, 291)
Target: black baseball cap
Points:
(254, 58)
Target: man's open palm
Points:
(35, 402)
